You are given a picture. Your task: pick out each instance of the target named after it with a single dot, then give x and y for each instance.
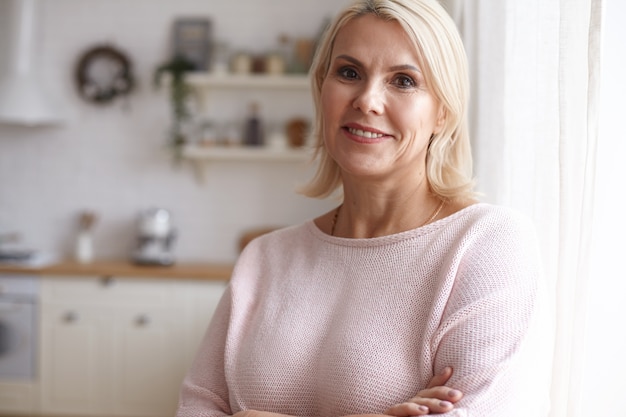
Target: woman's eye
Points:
(348, 73)
(404, 81)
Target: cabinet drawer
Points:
(116, 290)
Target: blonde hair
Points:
(442, 59)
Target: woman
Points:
(409, 280)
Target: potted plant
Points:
(179, 95)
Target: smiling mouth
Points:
(364, 133)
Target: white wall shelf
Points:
(200, 156)
(204, 82)
(280, 95)
(243, 153)
(257, 81)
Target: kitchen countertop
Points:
(120, 268)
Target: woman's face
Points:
(374, 101)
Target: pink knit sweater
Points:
(315, 325)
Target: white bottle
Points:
(84, 247)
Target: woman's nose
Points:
(369, 99)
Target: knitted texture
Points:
(315, 325)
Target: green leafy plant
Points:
(176, 68)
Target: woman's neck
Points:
(373, 212)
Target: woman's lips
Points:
(363, 134)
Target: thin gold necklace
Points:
(435, 213)
(332, 228)
(430, 219)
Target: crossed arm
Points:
(435, 398)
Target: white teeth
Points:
(369, 135)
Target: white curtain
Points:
(605, 341)
(534, 119)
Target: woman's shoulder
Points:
(496, 229)
(488, 213)
(270, 248)
(279, 237)
(491, 224)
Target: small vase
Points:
(84, 248)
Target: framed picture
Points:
(192, 41)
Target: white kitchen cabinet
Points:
(75, 357)
(19, 398)
(121, 346)
(200, 302)
(147, 360)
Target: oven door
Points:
(17, 339)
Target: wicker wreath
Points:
(104, 73)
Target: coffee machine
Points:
(156, 238)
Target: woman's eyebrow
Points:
(403, 67)
(406, 67)
(349, 59)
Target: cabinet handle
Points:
(143, 320)
(107, 281)
(70, 317)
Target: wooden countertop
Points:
(119, 268)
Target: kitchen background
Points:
(113, 158)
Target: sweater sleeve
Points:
(495, 329)
(204, 391)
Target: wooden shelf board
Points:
(285, 81)
(216, 153)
